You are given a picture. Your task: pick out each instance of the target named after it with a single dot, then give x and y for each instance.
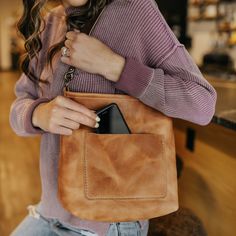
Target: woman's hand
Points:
(91, 55)
(63, 115)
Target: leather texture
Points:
(119, 177)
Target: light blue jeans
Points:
(36, 225)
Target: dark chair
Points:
(181, 223)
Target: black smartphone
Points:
(112, 120)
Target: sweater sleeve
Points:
(22, 108)
(173, 84)
(27, 95)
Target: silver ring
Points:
(64, 52)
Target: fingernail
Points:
(98, 119)
(97, 125)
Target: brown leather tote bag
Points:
(119, 177)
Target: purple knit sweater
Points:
(158, 71)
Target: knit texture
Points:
(158, 71)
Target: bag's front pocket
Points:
(124, 166)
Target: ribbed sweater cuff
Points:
(29, 128)
(134, 78)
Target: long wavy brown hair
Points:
(31, 24)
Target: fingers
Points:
(74, 106)
(57, 126)
(75, 37)
(80, 118)
(64, 121)
(61, 125)
(62, 130)
(65, 52)
(67, 60)
(72, 35)
(69, 124)
(71, 38)
(68, 44)
(63, 115)
(73, 111)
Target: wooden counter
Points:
(225, 113)
(208, 181)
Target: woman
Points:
(130, 50)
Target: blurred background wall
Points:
(9, 13)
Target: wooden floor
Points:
(207, 185)
(19, 171)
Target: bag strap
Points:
(69, 75)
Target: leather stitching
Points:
(86, 181)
